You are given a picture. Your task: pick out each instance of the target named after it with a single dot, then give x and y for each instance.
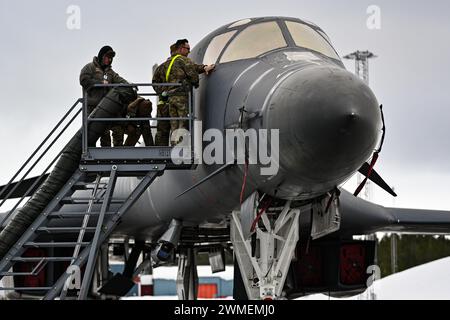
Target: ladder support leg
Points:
(82, 231)
(95, 241)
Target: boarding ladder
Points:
(63, 227)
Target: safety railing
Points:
(12, 186)
(153, 154)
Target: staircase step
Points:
(64, 229)
(54, 244)
(76, 214)
(6, 274)
(37, 259)
(71, 200)
(83, 185)
(25, 288)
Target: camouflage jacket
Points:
(183, 70)
(91, 74)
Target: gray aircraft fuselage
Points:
(329, 124)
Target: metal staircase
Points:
(67, 235)
(90, 228)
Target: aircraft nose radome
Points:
(329, 122)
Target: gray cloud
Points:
(40, 60)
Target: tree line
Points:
(412, 250)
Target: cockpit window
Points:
(239, 23)
(306, 37)
(216, 46)
(254, 41)
(324, 35)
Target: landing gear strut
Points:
(265, 255)
(187, 278)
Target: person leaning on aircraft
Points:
(177, 69)
(162, 110)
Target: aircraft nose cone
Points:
(329, 123)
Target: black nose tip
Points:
(329, 122)
(352, 116)
(349, 123)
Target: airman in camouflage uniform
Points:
(99, 71)
(179, 69)
(162, 111)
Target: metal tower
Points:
(362, 70)
(394, 253)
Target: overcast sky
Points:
(40, 61)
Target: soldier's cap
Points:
(181, 41)
(106, 51)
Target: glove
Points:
(164, 96)
(208, 69)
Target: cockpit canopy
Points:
(246, 40)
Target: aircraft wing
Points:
(360, 217)
(22, 188)
(420, 221)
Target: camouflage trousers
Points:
(178, 107)
(162, 126)
(134, 132)
(117, 135)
